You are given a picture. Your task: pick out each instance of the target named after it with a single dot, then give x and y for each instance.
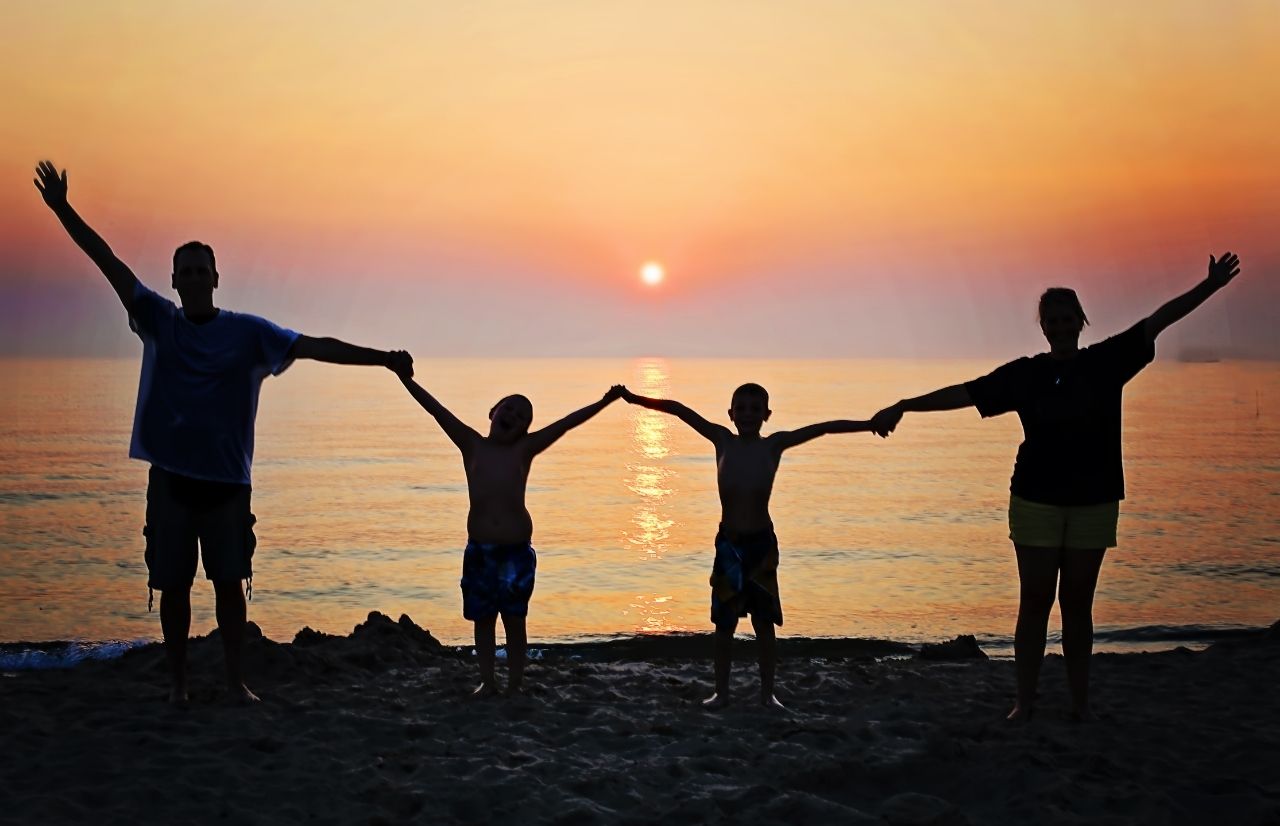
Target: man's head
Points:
(1061, 318)
(510, 418)
(195, 271)
(749, 408)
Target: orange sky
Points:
(907, 154)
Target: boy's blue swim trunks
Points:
(497, 579)
(744, 577)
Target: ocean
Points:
(361, 503)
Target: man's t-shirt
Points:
(198, 393)
(1070, 412)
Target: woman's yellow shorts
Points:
(1063, 526)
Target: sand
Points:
(378, 727)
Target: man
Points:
(202, 369)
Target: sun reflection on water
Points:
(654, 614)
(651, 521)
(652, 482)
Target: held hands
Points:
(400, 363)
(884, 422)
(615, 392)
(53, 187)
(624, 394)
(1222, 270)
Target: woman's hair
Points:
(1064, 297)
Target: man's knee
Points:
(229, 594)
(763, 626)
(175, 596)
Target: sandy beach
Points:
(378, 727)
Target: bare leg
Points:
(232, 612)
(724, 664)
(1075, 597)
(517, 645)
(1037, 580)
(486, 644)
(175, 624)
(766, 640)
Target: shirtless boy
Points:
(499, 562)
(744, 577)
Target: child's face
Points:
(748, 411)
(510, 419)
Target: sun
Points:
(652, 273)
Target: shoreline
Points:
(21, 655)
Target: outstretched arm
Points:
(1221, 271)
(458, 433)
(790, 438)
(705, 429)
(333, 351)
(53, 188)
(947, 398)
(540, 440)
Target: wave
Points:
(41, 656)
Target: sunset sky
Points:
(817, 178)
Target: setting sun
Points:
(652, 273)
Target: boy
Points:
(744, 577)
(499, 562)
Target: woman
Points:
(1068, 479)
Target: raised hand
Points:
(625, 394)
(400, 363)
(884, 422)
(615, 392)
(52, 186)
(1222, 270)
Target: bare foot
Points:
(1020, 714)
(715, 701)
(771, 702)
(241, 695)
(484, 691)
(178, 697)
(515, 690)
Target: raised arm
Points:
(53, 188)
(461, 435)
(704, 428)
(947, 398)
(1221, 271)
(540, 440)
(333, 351)
(790, 438)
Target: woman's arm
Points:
(954, 397)
(1221, 271)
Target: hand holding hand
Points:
(400, 363)
(1222, 270)
(884, 422)
(615, 392)
(52, 186)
